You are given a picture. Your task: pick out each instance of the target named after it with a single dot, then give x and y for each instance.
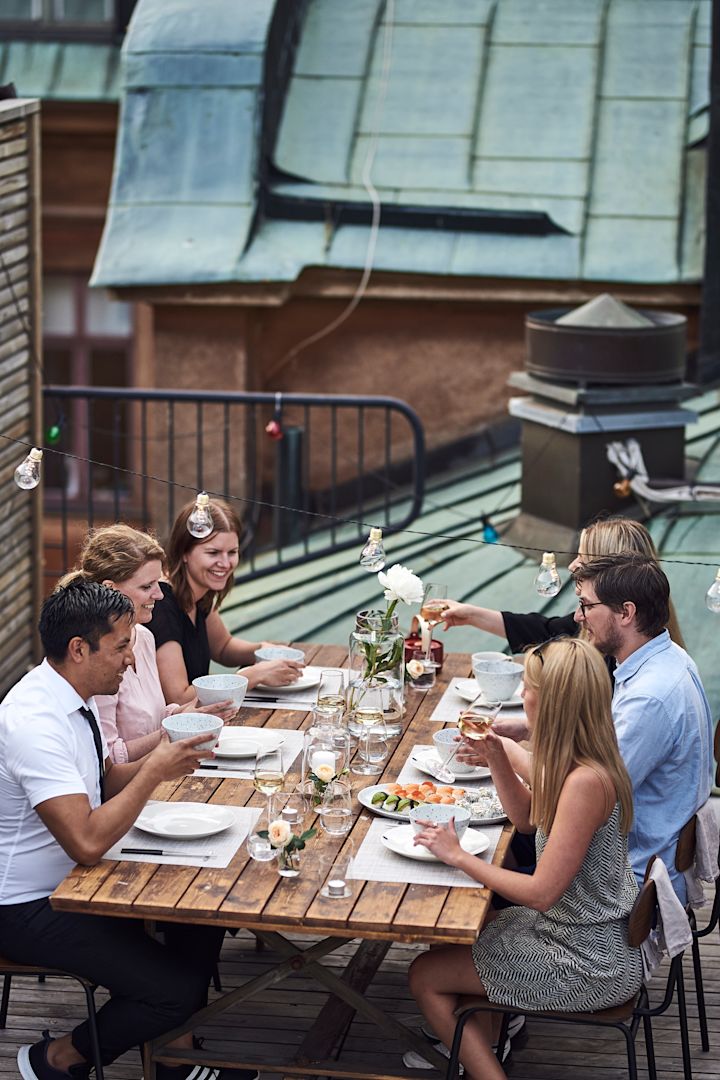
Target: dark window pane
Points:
(90, 11)
(16, 9)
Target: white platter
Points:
(400, 840)
(468, 690)
(309, 678)
(184, 821)
(365, 798)
(428, 762)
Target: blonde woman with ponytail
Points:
(564, 944)
(132, 562)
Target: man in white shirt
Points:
(62, 802)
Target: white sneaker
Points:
(413, 1060)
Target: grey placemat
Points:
(212, 851)
(245, 767)
(374, 862)
(451, 705)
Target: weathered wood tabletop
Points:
(253, 896)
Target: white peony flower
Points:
(279, 832)
(324, 773)
(400, 583)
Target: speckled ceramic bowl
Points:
(440, 814)
(446, 741)
(279, 652)
(212, 689)
(185, 725)
(498, 681)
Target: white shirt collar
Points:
(65, 693)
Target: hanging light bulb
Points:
(200, 522)
(548, 581)
(712, 596)
(490, 533)
(27, 475)
(372, 556)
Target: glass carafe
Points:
(377, 662)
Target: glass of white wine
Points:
(433, 606)
(332, 689)
(269, 775)
(369, 720)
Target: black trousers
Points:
(153, 987)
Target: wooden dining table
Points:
(252, 896)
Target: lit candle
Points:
(289, 813)
(336, 887)
(320, 758)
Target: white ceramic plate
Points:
(309, 678)
(365, 798)
(400, 840)
(428, 762)
(238, 748)
(242, 742)
(468, 690)
(184, 821)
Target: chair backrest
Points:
(685, 850)
(642, 916)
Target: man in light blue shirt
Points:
(662, 716)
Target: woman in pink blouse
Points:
(132, 562)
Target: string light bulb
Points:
(200, 522)
(490, 533)
(372, 556)
(712, 596)
(27, 474)
(548, 581)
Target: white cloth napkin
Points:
(705, 864)
(672, 935)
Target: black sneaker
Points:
(199, 1072)
(33, 1063)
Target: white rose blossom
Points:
(325, 773)
(279, 832)
(415, 668)
(400, 583)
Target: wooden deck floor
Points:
(550, 1052)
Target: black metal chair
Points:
(625, 1018)
(683, 861)
(8, 969)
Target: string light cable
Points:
(265, 504)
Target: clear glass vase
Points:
(377, 662)
(326, 753)
(288, 862)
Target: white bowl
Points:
(185, 725)
(440, 814)
(279, 652)
(484, 659)
(212, 689)
(499, 680)
(446, 740)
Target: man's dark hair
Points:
(82, 609)
(617, 579)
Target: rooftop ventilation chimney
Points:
(595, 374)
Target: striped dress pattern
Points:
(574, 957)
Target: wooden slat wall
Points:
(20, 405)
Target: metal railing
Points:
(138, 455)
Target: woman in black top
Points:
(608, 536)
(187, 627)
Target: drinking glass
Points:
(287, 806)
(335, 810)
(332, 688)
(259, 847)
(337, 870)
(433, 605)
(269, 774)
(369, 722)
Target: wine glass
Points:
(369, 721)
(335, 810)
(331, 691)
(269, 774)
(433, 605)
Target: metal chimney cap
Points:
(604, 310)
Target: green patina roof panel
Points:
(61, 71)
(645, 180)
(581, 110)
(336, 39)
(433, 83)
(549, 121)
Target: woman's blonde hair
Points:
(573, 725)
(114, 553)
(619, 536)
(181, 541)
